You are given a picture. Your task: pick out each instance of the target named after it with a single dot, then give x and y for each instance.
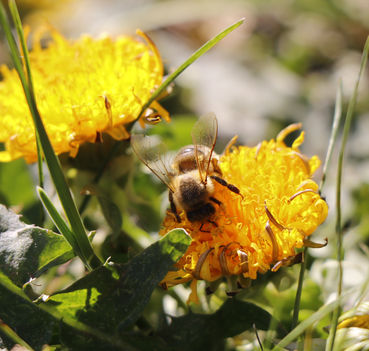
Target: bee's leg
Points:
(213, 223)
(219, 203)
(215, 200)
(224, 183)
(204, 231)
(209, 221)
(173, 207)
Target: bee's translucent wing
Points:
(152, 152)
(204, 133)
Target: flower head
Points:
(82, 88)
(277, 208)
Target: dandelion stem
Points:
(296, 308)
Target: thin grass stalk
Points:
(332, 140)
(339, 232)
(337, 117)
(39, 162)
(304, 325)
(18, 26)
(25, 55)
(56, 217)
(12, 335)
(197, 54)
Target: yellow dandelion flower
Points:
(278, 207)
(82, 88)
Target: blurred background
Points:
(283, 65)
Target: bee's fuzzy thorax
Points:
(191, 191)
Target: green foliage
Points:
(26, 249)
(16, 310)
(36, 325)
(112, 298)
(232, 318)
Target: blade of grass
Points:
(197, 54)
(346, 130)
(18, 27)
(14, 52)
(39, 162)
(332, 140)
(56, 217)
(84, 247)
(334, 133)
(316, 317)
(12, 335)
(15, 14)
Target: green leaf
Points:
(54, 261)
(36, 324)
(21, 315)
(86, 339)
(206, 331)
(57, 218)
(112, 298)
(25, 249)
(144, 342)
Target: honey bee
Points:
(190, 176)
